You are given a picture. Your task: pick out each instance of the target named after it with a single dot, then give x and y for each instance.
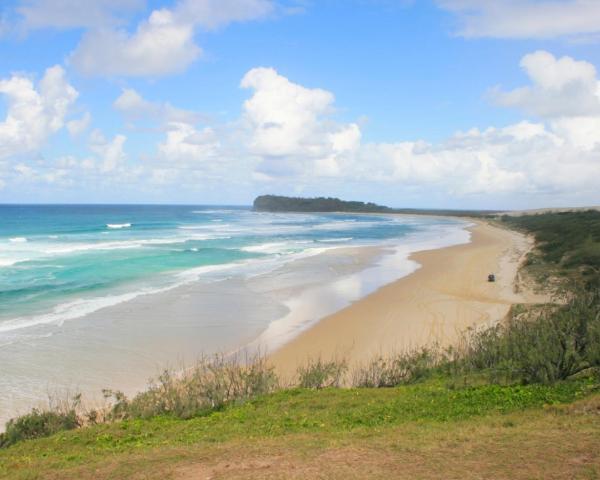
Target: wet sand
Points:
(448, 294)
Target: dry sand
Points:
(446, 295)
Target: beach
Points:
(446, 295)
(88, 306)
(350, 286)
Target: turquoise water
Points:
(95, 297)
(61, 262)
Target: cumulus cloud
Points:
(212, 14)
(66, 14)
(291, 129)
(34, 112)
(79, 125)
(525, 18)
(134, 107)
(164, 43)
(289, 125)
(186, 144)
(560, 87)
(52, 176)
(159, 46)
(110, 152)
(564, 91)
(289, 136)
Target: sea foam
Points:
(118, 225)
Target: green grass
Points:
(334, 413)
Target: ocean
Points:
(91, 295)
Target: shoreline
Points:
(132, 341)
(435, 304)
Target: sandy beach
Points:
(448, 294)
(338, 300)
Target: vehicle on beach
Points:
(491, 277)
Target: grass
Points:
(304, 421)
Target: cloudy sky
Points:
(422, 103)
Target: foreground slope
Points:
(418, 431)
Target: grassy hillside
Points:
(518, 400)
(419, 431)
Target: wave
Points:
(335, 240)
(70, 311)
(203, 227)
(223, 210)
(273, 247)
(9, 262)
(118, 225)
(17, 240)
(82, 307)
(42, 250)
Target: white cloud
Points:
(34, 114)
(211, 14)
(78, 126)
(291, 130)
(185, 144)
(289, 125)
(561, 87)
(525, 18)
(564, 91)
(111, 153)
(134, 107)
(159, 46)
(66, 14)
(289, 137)
(164, 43)
(58, 176)
(132, 104)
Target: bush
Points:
(567, 241)
(319, 374)
(38, 424)
(397, 370)
(208, 386)
(538, 346)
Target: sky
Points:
(491, 104)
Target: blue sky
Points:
(441, 103)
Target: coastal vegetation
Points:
(528, 384)
(567, 245)
(274, 203)
(277, 203)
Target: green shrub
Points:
(319, 374)
(567, 241)
(398, 369)
(210, 385)
(538, 346)
(38, 424)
